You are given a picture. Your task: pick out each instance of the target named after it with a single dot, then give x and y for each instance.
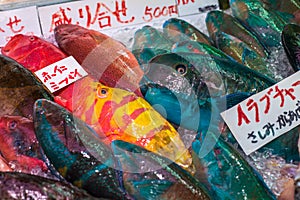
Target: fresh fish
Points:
(297, 184)
(18, 144)
(19, 89)
(242, 53)
(16, 185)
(191, 113)
(179, 30)
(218, 22)
(118, 114)
(74, 151)
(291, 42)
(201, 48)
(208, 76)
(228, 173)
(150, 176)
(149, 42)
(32, 52)
(104, 58)
(265, 23)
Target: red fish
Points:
(18, 144)
(104, 58)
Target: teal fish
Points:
(156, 177)
(218, 22)
(74, 151)
(19, 89)
(15, 185)
(148, 43)
(266, 23)
(228, 173)
(291, 42)
(179, 30)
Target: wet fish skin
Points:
(16, 185)
(70, 146)
(218, 22)
(179, 30)
(291, 42)
(19, 89)
(229, 175)
(104, 58)
(149, 42)
(156, 177)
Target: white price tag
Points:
(61, 74)
(18, 21)
(190, 7)
(105, 14)
(265, 115)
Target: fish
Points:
(265, 23)
(16, 185)
(291, 42)
(297, 184)
(218, 21)
(179, 30)
(75, 153)
(32, 52)
(19, 146)
(115, 113)
(228, 173)
(19, 89)
(243, 54)
(208, 76)
(149, 42)
(201, 48)
(105, 59)
(150, 176)
(191, 113)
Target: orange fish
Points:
(104, 58)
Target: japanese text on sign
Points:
(189, 7)
(105, 14)
(266, 115)
(61, 74)
(18, 21)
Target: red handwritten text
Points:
(153, 13)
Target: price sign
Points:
(266, 115)
(190, 7)
(61, 74)
(18, 21)
(105, 14)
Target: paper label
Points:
(105, 14)
(61, 74)
(18, 21)
(190, 7)
(265, 115)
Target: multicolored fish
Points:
(104, 58)
(149, 42)
(218, 21)
(291, 42)
(228, 173)
(118, 114)
(75, 152)
(150, 176)
(179, 30)
(19, 89)
(18, 144)
(265, 23)
(16, 185)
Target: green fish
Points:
(179, 30)
(148, 43)
(218, 22)
(291, 42)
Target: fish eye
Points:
(102, 92)
(181, 69)
(12, 125)
(31, 38)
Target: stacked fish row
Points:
(101, 138)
